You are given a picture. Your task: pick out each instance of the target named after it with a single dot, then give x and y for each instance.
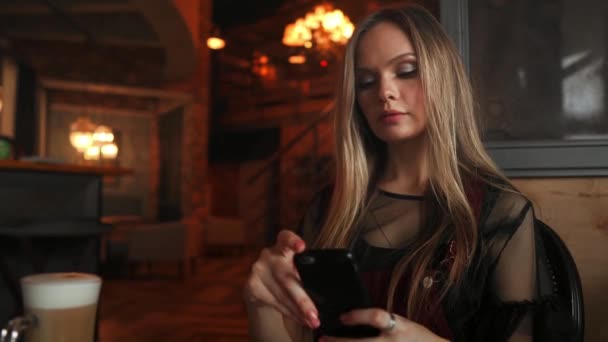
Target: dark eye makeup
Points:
(407, 70)
(403, 71)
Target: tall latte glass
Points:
(58, 307)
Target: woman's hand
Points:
(393, 328)
(275, 282)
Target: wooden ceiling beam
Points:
(83, 8)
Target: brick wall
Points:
(196, 191)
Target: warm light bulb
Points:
(103, 134)
(81, 140)
(215, 43)
(333, 19)
(296, 34)
(81, 134)
(348, 29)
(312, 21)
(91, 153)
(297, 59)
(109, 151)
(321, 27)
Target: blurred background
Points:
(163, 143)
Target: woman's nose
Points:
(388, 91)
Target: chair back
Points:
(564, 279)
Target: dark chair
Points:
(564, 279)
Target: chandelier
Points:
(325, 28)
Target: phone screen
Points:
(331, 279)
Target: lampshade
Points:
(103, 134)
(81, 134)
(109, 151)
(91, 153)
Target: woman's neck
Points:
(406, 168)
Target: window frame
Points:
(528, 158)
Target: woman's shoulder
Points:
(503, 208)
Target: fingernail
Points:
(297, 245)
(313, 320)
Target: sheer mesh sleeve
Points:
(513, 282)
(508, 272)
(512, 307)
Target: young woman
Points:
(444, 242)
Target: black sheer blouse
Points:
(498, 298)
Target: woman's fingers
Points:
(378, 318)
(399, 329)
(287, 308)
(264, 292)
(299, 298)
(289, 243)
(275, 281)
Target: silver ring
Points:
(391, 322)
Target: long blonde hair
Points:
(455, 155)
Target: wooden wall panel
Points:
(577, 208)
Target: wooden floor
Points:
(161, 307)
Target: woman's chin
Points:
(397, 137)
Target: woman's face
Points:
(389, 91)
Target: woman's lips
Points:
(391, 117)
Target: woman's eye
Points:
(407, 71)
(365, 82)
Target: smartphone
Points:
(331, 279)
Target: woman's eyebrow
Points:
(391, 61)
(403, 55)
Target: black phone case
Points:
(331, 279)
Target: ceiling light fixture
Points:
(215, 40)
(325, 29)
(297, 59)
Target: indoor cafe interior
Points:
(161, 145)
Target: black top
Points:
(499, 296)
